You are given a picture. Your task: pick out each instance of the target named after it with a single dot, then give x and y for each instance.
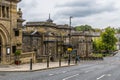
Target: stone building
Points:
(46, 37)
(82, 41)
(10, 29)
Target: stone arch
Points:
(4, 34)
(4, 42)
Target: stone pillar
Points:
(4, 55)
(34, 57)
(0, 11)
(5, 12)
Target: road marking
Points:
(100, 77)
(108, 74)
(51, 74)
(103, 76)
(88, 71)
(64, 71)
(70, 77)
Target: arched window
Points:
(4, 11)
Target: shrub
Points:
(17, 52)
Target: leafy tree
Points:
(84, 28)
(98, 45)
(97, 30)
(108, 39)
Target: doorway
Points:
(0, 50)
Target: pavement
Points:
(107, 69)
(35, 67)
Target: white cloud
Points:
(92, 12)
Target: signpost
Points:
(69, 49)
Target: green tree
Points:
(98, 45)
(84, 28)
(97, 30)
(108, 39)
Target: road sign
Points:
(69, 49)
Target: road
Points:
(109, 69)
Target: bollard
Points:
(30, 64)
(76, 60)
(60, 61)
(69, 60)
(48, 61)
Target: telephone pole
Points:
(69, 38)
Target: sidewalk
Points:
(35, 67)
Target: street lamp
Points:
(69, 37)
(70, 28)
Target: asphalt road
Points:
(109, 69)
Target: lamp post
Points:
(69, 38)
(86, 41)
(70, 28)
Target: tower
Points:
(49, 19)
(10, 29)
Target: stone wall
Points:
(25, 57)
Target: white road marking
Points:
(57, 73)
(108, 74)
(88, 71)
(100, 77)
(103, 76)
(51, 74)
(64, 71)
(70, 77)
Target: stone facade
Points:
(83, 43)
(10, 29)
(43, 38)
(36, 33)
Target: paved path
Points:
(36, 66)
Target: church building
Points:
(10, 30)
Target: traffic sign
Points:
(69, 49)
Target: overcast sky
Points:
(97, 13)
